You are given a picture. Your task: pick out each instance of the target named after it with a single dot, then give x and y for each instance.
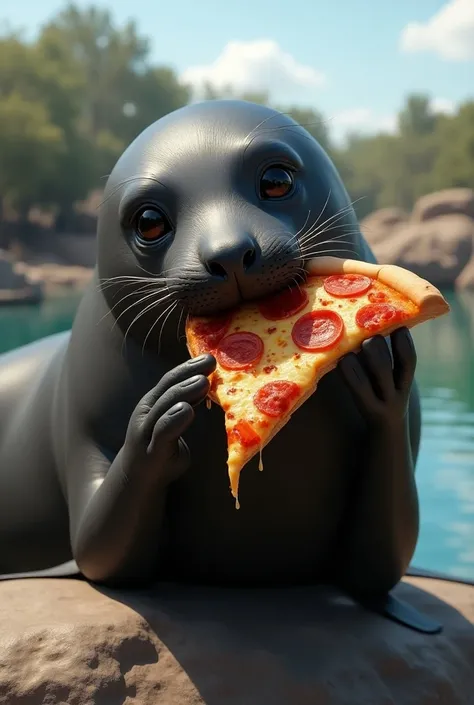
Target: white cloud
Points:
(367, 121)
(443, 105)
(260, 65)
(361, 121)
(448, 33)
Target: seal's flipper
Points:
(65, 570)
(400, 611)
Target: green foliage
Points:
(69, 104)
(71, 101)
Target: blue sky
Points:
(355, 60)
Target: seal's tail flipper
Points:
(400, 611)
(65, 570)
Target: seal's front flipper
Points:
(65, 570)
(400, 611)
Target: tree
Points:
(72, 100)
(31, 147)
(312, 121)
(454, 162)
(417, 117)
(95, 86)
(121, 93)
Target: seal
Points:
(110, 465)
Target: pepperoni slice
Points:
(375, 316)
(244, 434)
(377, 297)
(284, 304)
(347, 284)
(274, 398)
(239, 351)
(318, 330)
(211, 330)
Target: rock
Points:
(437, 250)
(379, 225)
(466, 279)
(65, 641)
(446, 202)
(9, 278)
(53, 276)
(16, 287)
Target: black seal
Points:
(110, 465)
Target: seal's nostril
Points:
(249, 258)
(217, 270)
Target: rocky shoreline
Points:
(435, 240)
(23, 283)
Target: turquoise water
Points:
(445, 373)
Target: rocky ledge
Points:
(53, 277)
(22, 283)
(67, 642)
(435, 240)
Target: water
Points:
(445, 374)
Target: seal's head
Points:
(216, 203)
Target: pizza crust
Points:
(424, 295)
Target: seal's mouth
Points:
(240, 298)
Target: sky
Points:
(354, 60)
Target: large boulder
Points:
(15, 286)
(466, 279)
(53, 277)
(437, 250)
(446, 202)
(380, 224)
(64, 641)
(9, 278)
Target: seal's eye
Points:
(276, 182)
(152, 224)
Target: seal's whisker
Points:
(332, 219)
(341, 212)
(314, 240)
(309, 245)
(296, 235)
(169, 308)
(335, 238)
(277, 113)
(122, 285)
(140, 301)
(133, 293)
(297, 285)
(161, 284)
(319, 216)
(338, 227)
(138, 177)
(147, 308)
(318, 245)
(318, 253)
(335, 226)
(179, 322)
(112, 280)
(164, 323)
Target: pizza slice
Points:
(272, 353)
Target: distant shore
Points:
(435, 240)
